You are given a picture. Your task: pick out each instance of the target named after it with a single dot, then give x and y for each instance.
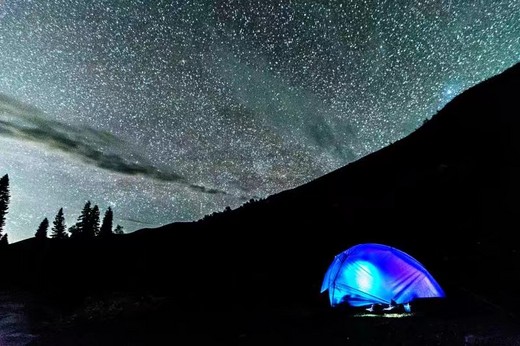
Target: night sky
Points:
(171, 110)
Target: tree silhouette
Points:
(106, 226)
(58, 228)
(83, 226)
(119, 230)
(4, 203)
(94, 222)
(41, 232)
(73, 230)
(3, 241)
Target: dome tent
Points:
(368, 274)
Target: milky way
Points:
(171, 110)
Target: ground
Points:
(133, 320)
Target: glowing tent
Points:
(368, 274)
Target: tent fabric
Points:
(368, 274)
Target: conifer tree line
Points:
(87, 226)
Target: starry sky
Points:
(170, 110)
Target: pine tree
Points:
(119, 230)
(41, 232)
(3, 241)
(94, 222)
(106, 226)
(73, 231)
(83, 225)
(58, 228)
(4, 202)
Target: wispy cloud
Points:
(98, 148)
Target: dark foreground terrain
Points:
(447, 195)
(154, 321)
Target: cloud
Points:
(205, 189)
(98, 148)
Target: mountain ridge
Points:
(430, 194)
(437, 123)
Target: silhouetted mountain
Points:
(447, 194)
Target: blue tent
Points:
(368, 274)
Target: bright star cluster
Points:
(211, 103)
